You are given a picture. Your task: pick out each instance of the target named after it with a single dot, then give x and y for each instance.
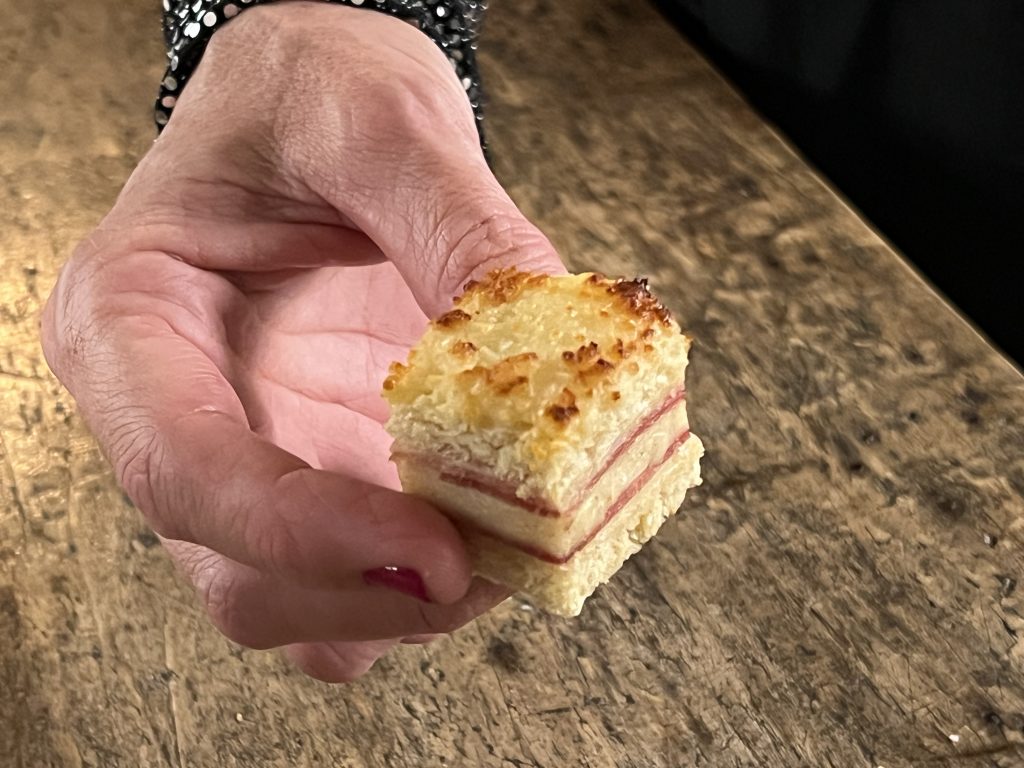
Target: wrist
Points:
(315, 70)
(450, 25)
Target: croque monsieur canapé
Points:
(547, 417)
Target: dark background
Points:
(913, 109)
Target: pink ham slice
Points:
(630, 491)
(479, 480)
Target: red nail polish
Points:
(404, 580)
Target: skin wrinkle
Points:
(244, 379)
(186, 503)
(346, 404)
(474, 239)
(273, 157)
(259, 418)
(152, 273)
(374, 408)
(134, 465)
(400, 345)
(74, 346)
(525, 255)
(224, 392)
(203, 179)
(276, 545)
(301, 475)
(291, 124)
(209, 345)
(253, 207)
(346, 190)
(214, 586)
(220, 604)
(314, 232)
(138, 465)
(70, 307)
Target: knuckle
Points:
(68, 323)
(281, 546)
(475, 246)
(438, 621)
(340, 673)
(277, 547)
(325, 666)
(403, 108)
(137, 456)
(228, 607)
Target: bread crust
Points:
(512, 414)
(536, 376)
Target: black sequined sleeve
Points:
(453, 25)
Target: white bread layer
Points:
(554, 531)
(562, 588)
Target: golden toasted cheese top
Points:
(535, 364)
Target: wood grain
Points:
(840, 592)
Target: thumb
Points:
(442, 219)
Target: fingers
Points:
(260, 506)
(337, 662)
(235, 223)
(442, 218)
(178, 438)
(260, 611)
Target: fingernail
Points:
(404, 580)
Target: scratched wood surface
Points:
(842, 591)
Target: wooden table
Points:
(841, 592)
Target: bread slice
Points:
(547, 416)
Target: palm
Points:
(312, 353)
(306, 350)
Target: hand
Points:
(318, 192)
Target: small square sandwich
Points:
(547, 417)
